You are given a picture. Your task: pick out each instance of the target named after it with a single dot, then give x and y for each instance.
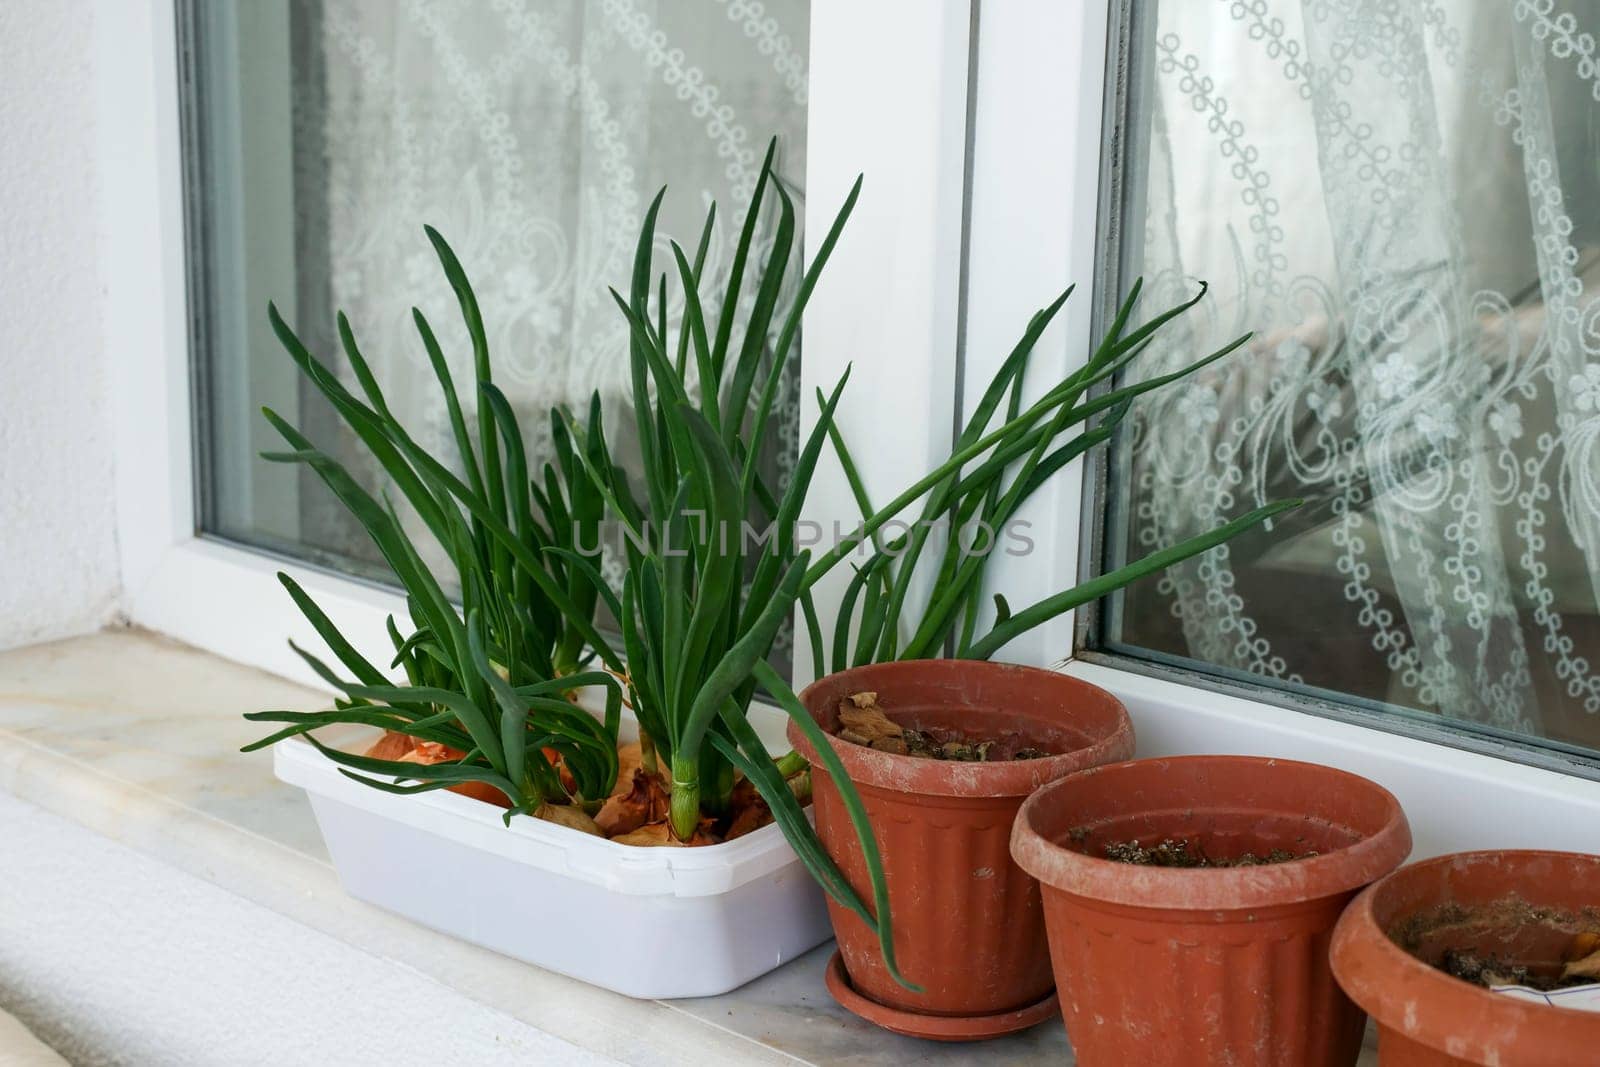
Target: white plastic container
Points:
(645, 922)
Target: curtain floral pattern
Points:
(1401, 199)
(533, 134)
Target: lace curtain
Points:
(533, 134)
(1401, 198)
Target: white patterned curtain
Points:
(533, 134)
(1401, 198)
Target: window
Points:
(323, 134)
(1400, 203)
(984, 133)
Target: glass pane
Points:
(323, 135)
(1402, 202)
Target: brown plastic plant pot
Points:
(1165, 965)
(968, 926)
(1427, 1018)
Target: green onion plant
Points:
(1000, 459)
(493, 678)
(702, 600)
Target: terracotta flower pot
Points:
(1165, 965)
(967, 922)
(1427, 1018)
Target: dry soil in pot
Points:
(1515, 910)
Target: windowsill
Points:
(135, 737)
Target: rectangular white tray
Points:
(645, 922)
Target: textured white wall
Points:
(58, 561)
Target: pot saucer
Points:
(934, 1027)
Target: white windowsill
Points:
(135, 737)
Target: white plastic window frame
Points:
(889, 97)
